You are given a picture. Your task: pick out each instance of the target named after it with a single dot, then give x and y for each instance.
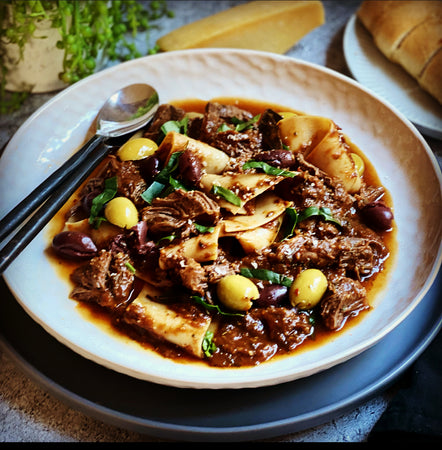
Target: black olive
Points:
(378, 216)
(74, 245)
(272, 295)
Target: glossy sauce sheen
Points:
(320, 336)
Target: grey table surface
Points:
(29, 413)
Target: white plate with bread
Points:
(399, 59)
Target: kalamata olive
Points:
(276, 158)
(378, 216)
(190, 167)
(74, 245)
(149, 168)
(272, 295)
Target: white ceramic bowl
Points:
(405, 165)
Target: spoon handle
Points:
(29, 204)
(60, 194)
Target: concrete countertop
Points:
(28, 413)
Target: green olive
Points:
(135, 149)
(285, 114)
(308, 288)
(121, 212)
(359, 163)
(237, 292)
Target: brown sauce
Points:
(321, 335)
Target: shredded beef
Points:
(345, 297)
(259, 335)
(105, 280)
(164, 113)
(179, 211)
(130, 183)
(232, 142)
(359, 256)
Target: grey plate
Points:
(215, 415)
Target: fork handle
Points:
(59, 197)
(41, 193)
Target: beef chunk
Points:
(269, 130)
(104, 280)
(344, 297)
(164, 113)
(259, 335)
(178, 212)
(234, 143)
(130, 182)
(358, 256)
(187, 272)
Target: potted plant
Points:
(47, 45)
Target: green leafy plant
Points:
(88, 29)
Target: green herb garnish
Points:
(293, 218)
(268, 169)
(166, 239)
(208, 346)
(267, 275)
(110, 190)
(242, 125)
(223, 127)
(130, 267)
(226, 194)
(164, 179)
(322, 212)
(153, 191)
(210, 307)
(204, 229)
(178, 126)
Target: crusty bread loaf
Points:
(408, 33)
(430, 78)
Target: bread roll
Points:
(408, 33)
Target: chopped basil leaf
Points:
(268, 169)
(176, 126)
(208, 346)
(293, 218)
(210, 307)
(167, 239)
(223, 127)
(242, 125)
(109, 192)
(130, 267)
(164, 179)
(177, 184)
(226, 194)
(153, 191)
(169, 169)
(204, 229)
(322, 212)
(267, 275)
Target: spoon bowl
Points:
(127, 110)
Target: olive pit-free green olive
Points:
(121, 212)
(307, 289)
(136, 149)
(237, 292)
(359, 163)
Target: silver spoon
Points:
(124, 112)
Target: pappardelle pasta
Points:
(229, 232)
